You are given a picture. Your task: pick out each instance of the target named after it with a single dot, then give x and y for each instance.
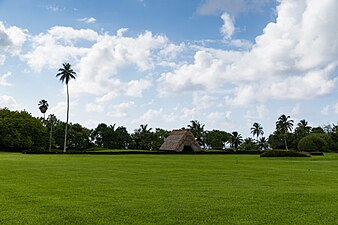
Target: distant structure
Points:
(181, 141)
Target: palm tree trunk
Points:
(50, 138)
(65, 143)
(286, 145)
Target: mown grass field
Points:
(167, 189)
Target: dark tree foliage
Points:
(248, 145)
(159, 136)
(314, 143)
(20, 131)
(217, 139)
(122, 138)
(143, 138)
(197, 129)
(78, 137)
(277, 140)
(235, 140)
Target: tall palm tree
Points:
(303, 124)
(66, 73)
(284, 125)
(257, 130)
(197, 129)
(43, 106)
(235, 140)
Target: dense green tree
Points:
(216, 139)
(318, 130)
(20, 131)
(143, 138)
(66, 73)
(197, 129)
(276, 140)
(257, 130)
(78, 137)
(122, 138)
(235, 140)
(284, 125)
(313, 143)
(103, 136)
(248, 145)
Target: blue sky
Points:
(226, 63)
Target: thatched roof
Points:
(179, 141)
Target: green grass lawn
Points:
(167, 189)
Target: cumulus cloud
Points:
(51, 49)
(11, 39)
(98, 69)
(87, 20)
(228, 28)
(121, 110)
(294, 58)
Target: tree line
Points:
(21, 131)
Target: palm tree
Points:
(284, 124)
(263, 143)
(197, 129)
(43, 106)
(235, 140)
(66, 74)
(257, 130)
(303, 124)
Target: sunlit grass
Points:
(167, 189)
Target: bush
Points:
(313, 143)
(283, 153)
(317, 153)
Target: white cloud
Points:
(54, 8)
(296, 57)
(87, 20)
(228, 28)
(8, 102)
(98, 70)
(57, 46)
(203, 101)
(3, 79)
(151, 115)
(11, 39)
(217, 118)
(260, 112)
(93, 107)
(121, 110)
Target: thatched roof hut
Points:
(181, 141)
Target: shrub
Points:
(317, 153)
(283, 153)
(313, 143)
